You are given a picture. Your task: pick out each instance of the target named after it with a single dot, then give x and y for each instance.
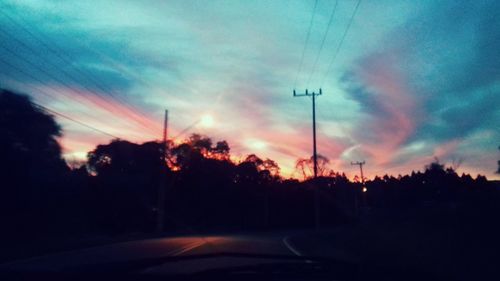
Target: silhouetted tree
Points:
(28, 145)
(435, 166)
(221, 150)
(127, 175)
(200, 143)
(125, 157)
(272, 167)
(306, 166)
(33, 175)
(205, 189)
(498, 169)
(247, 172)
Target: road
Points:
(305, 244)
(162, 247)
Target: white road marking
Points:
(286, 241)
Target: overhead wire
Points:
(185, 130)
(51, 110)
(339, 46)
(58, 54)
(41, 70)
(55, 78)
(37, 89)
(98, 83)
(113, 63)
(74, 120)
(322, 43)
(341, 128)
(306, 43)
(51, 76)
(18, 69)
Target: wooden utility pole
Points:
(315, 154)
(160, 218)
(360, 164)
(363, 188)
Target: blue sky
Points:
(413, 80)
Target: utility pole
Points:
(363, 188)
(315, 155)
(360, 164)
(161, 188)
(165, 128)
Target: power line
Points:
(116, 65)
(74, 120)
(341, 42)
(50, 110)
(306, 43)
(38, 90)
(89, 78)
(47, 74)
(322, 43)
(71, 77)
(51, 76)
(119, 67)
(57, 53)
(30, 76)
(53, 111)
(54, 78)
(183, 131)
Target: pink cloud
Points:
(104, 113)
(394, 118)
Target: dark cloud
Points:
(459, 120)
(460, 97)
(370, 100)
(59, 51)
(480, 25)
(449, 56)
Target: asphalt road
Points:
(324, 244)
(162, 247)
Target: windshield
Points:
(251, 134)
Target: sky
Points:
(403, 82)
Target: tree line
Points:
(116, 190)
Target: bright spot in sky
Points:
(207, 121)
(256, 144)
(77, 155)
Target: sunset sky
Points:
(412, 80)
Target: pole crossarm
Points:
(307, 93)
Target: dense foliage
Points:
(116, 191)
